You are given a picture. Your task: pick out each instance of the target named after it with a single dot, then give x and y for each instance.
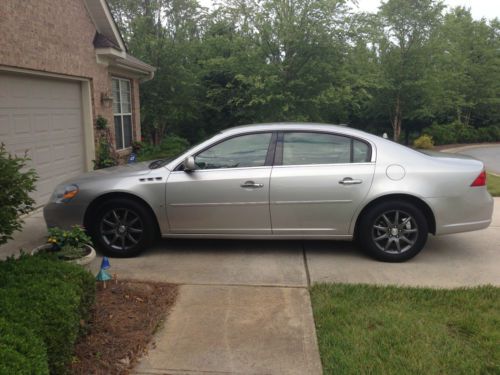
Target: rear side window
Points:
(360, 151)
(301, 148)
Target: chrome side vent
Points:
(150, 179)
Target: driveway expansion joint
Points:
(306, 266)
(281, 286)
(172, 371)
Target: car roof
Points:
(307, 126)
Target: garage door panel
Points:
(21, 124)
(43, 156)
(41, 123)
(44, 117)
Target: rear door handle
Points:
(251, 185)
(350, 181)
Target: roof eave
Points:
(123, 61)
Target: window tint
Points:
(239, 152)
(315, 148)
(320, 148)
(360, 151)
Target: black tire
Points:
(402, 241)
(122, 228)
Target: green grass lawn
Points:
(389, 330)
(493, 185)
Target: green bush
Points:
(14, 194)
(21, 351)
(104, 155)
(459, 133)
(424, 142)
(49, 298)
(171, 146)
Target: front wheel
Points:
(393, 231)
(122, 228)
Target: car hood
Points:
(128, 170)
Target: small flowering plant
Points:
(69, 244)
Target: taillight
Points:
(480, 180)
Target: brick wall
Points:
(57, 37)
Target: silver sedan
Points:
(281, 181)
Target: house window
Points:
(122, 110)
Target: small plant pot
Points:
(84, 261)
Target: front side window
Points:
(304, 148)
(239, 152)
(122, 110)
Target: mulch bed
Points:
(125, 317)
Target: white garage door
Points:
(43, 116)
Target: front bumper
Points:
(63, 215)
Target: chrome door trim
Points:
(197, 171)
(314, 202)
(217, 204)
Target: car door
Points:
(228, 192)
(318, 182)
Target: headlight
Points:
(65, 193)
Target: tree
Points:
(466, 71)
(404, 50)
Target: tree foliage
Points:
(407, 66)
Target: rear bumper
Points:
(469, 212)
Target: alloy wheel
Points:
(395, 232)
(121, 228)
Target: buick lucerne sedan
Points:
(281, 181)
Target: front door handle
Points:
(251, 185)
(350, 181)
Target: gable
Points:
(103, 20)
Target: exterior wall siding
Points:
(57, 37)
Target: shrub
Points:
(424, 142)
(171, 146)
(441, 134)
(21, 351)
(101, 123)
(104, 155)
(459, 133)
(49, 298)
(14, 195)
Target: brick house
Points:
(62, 64)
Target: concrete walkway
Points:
(244, 306)
(34, 234)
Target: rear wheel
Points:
(393, 231)
(122, 228)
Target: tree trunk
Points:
(397, 119)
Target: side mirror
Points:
(189, 164)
